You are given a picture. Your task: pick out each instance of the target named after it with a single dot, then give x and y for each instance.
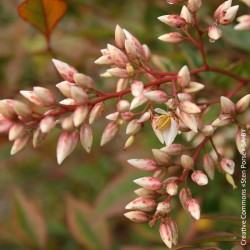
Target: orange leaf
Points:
(42, 14)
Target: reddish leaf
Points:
(42, 14)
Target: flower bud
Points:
(96, 112)
(146, 52)
(16, 131)
(174, 228)
(123, 106)
(5, 125)
(78, 94)
(209, 165)
(161, 157)
(214, 33)
(173, 37)
(38, 138)
(65, 70)
(118, 72)
(244, 22)
(227, 106)
(47, 124)
(186, 14)
(223, 120)
(145, 193)
(137, 216)
(45, 96)
(131, 50)
(79, 115)
(129, 142)
(104, 60)
(127, 116)
(142, 204)
(19, 144)
(83, 81)
(67, 123)
(119, 37)
(207, 130)
(133, 127)
(171, 188)
(174, 21)
(189, 120)
(113, 116)
(138, 101)
(6, 110)
(144, 164)
(166, 234)
(163, 207)
(117, 56)
(193, 208)
(241, 145)
(193, 87)
(22, 109)
(242, 104)
(145, 117)
(109, 132)
(151, 183)
(184, 195)
(157, 96)
(64, 88)
(230, 180)
(183, 76)
(173, 149)
(187, 162)
(137, 88)
(121, 85)
(86, 137)
(68, 102)
(194, 5)
(189, 107)
(228, 15)
(199, 178)
(32, 97)
(227, 165)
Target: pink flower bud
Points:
(174, 228)
(209, 165)
(144, 164)
(199, 178)
(117, 56)
(186, 15)
(45, 96)
(127, 116)
(163, 207)
(32, 97)
(173, 37)
(145, 116)
(184, 195)
(78, 94)
(219, 11)
(193, 87)
(244, 22)
(227, 165)
(161, 157)
(65, 70)
(5, 125)
(106, 60)
(137, 216)
(142, 204)
(131, 50)
(207, 130)
(66, 144)
(133, 127)
(19, 144)
(228, 15)
(187, 162)
(96, 112)
(83, 81)
(47, 124)
(214, 33)
(136, 43)
(22, 109)
(189, 107)
(146, 52)
(67, 123)
(123, 105)
(113, 116)
(79, 115)
(151, 183)
(183, 76)
(137, 88)
(173, 149)
(174, 21)
(6, 110)
(189, 120)
(222, 120)
(242, 104)
(166, 234)
(16, 131)
(194, 5)
(227, 106)
(184, 97)
(145, 193)
(86, 137)
(64, 87)
(38, 138)
(171, 188)
(193, 208)
(138, 101)
(119, 37)
(109, 132)
(118, 72)
(157, 96)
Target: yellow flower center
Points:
(162, 122)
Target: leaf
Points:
(89, 232)
(115, 195)
(28, 221)
(43, 14)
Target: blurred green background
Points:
(93, 189)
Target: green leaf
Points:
(43, 14)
